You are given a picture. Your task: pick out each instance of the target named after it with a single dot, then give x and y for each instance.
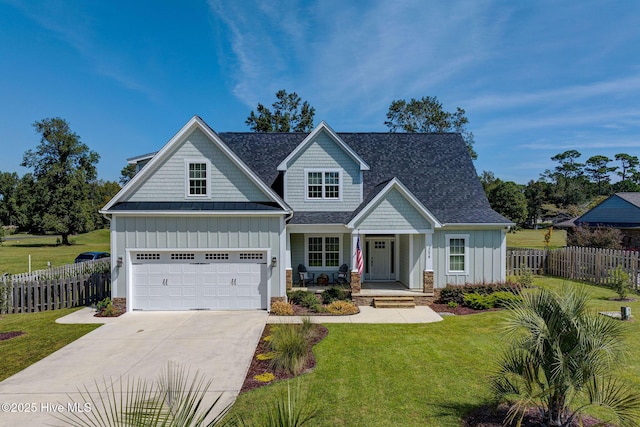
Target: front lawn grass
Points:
(534, 239)
(14, 254)
(415, 375)
(42, 336)
(392, 375)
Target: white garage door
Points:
(199, 281)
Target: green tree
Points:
(628, 165)
(127, 173)
(101, 192)
(507, 198)
(535, 195)
(288, 115)
(63, 167)
(488, 180)
(568, 180)
(427, 115)
(597, 167)
(562, 355)
(9, 182)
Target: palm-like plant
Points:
(560, 359)
(175, 400)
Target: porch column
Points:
(428, 274)
(288, 271)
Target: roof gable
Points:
(322, 127)
(393, 207)
(164, 177)
(619, 210)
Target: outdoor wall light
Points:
(119, 262)
(274, 261)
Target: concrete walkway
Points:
(135, 345)
(419, 314)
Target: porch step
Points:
(394, 302)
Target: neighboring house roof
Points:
(620, 210)
(435, 168)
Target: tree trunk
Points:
(65, 239)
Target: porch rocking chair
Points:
(304, 277)
(343, 275)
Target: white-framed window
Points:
(198, 177)
(323, 184)
(457, 253)
(323, 251)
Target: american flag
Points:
(359, 261)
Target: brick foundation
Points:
(119, 304)
(289, 278)
(355, 282)
(427, 283)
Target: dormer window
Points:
(323, 184)
(197, 179)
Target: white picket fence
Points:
(64, 271)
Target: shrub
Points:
(503, 299)
(598, 237)
(452, 304)
(334, 294)
(105, 307)
(342, 307)
(478, 301)
(296, 297)
(309, 300)
(456, 293)
(281, 308)
(103, 304)
(621, 282)
(289, 346)
(526, 279)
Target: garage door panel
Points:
(189, 284)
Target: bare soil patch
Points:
(9, 335)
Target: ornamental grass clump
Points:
(290, 348)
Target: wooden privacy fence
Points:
(585, 264)
(33, 296)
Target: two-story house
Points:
(222, 221)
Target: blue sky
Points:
(536, 78)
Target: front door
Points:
(380, 258)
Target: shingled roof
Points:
(435, 167)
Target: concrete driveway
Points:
(135, 345)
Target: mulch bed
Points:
(261, 366)
(9, 335)
(459, 310)
(488, 416)
(119, 308)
